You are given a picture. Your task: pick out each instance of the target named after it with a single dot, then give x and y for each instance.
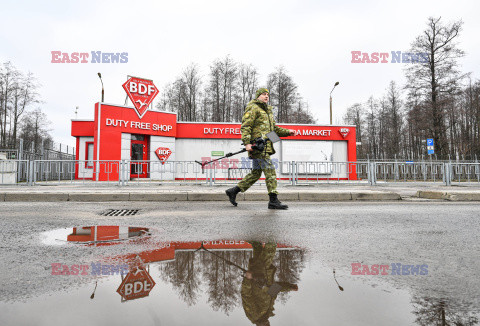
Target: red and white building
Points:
(119, 132)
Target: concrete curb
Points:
(262, 196)
(206, 196)
(450, 196)
(431, 194)
(463, 196)
(180, 196)
(325, 196)
(306, 196)
(36, 197)
(96, 197)
(379, 196)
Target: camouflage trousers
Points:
(261, 162)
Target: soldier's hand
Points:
(292, 132)
(248, 147)
(249, 275)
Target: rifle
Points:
(258, 144)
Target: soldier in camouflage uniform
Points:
(259, 289)
(257, 121)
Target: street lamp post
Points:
(331, 102)
(100, 76)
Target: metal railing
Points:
(10, 154)
(125, 172)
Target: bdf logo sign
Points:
(141, 92)
(163, 153)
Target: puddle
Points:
(94, 235)
(135, 278)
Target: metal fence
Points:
(44, 150)
(125, 172)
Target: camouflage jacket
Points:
(258, 121)
(257, 302)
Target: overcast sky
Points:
(312, 39)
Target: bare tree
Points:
(283, 93)
(222, 88)
(436, 105)
(372, 125)
(355, 116)
(183, 95)
(191, 83)
(438, 77)
(9, 77)
(230, 86)
(248, 84)
(23, 94)
(35, 128)
(393, 121)
(442, 312)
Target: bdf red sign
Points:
(141, 92)
(137, 284)
(163, 153)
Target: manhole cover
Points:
(120, 212)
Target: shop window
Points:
(138, 137)
(89, 155)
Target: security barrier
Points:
(125, 172)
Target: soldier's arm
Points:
(287, 286)
(246, 290)
(248, 120)
(282, 132)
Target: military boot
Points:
(274, 203)
(232, 194)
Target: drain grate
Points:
(120, 212)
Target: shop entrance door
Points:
(139, 156)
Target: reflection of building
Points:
(105, 233)
(136, 284)
(161, 251)
(166, 251)
(185, 266)
(118, 133)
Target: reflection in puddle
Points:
(110, 234)
(95, 235)
(216, 283)
(235, 276)
(441, 312)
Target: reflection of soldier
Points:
(257, 122)
(259, 289)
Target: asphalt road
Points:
(443, 236)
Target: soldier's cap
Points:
(260, 91)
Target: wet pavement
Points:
(404, 263)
